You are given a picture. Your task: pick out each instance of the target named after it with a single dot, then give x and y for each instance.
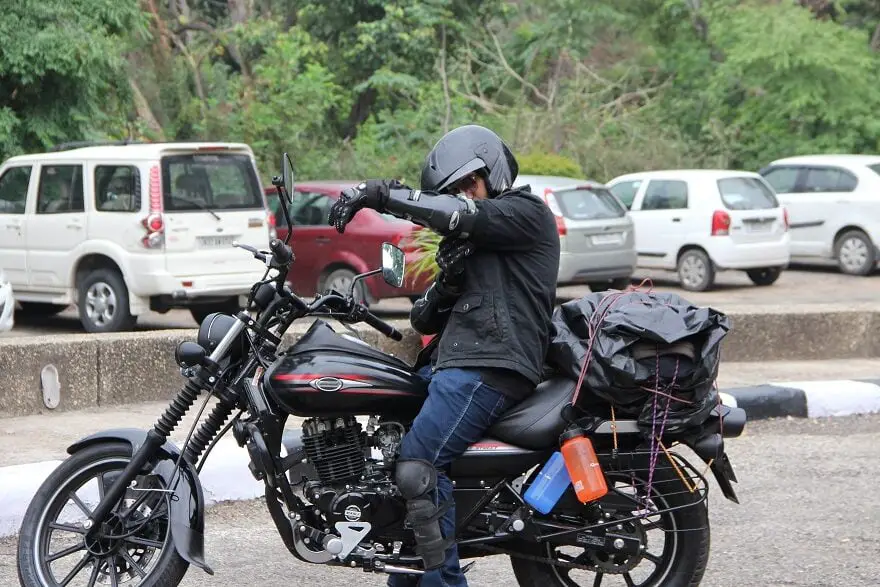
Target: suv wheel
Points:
(764, 276)
(695, 270)
(340, 280)
(201, 311)
(103, 302)
(621, 283)
(854, 252)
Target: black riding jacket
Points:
(500, 321)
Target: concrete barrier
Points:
(135, 367)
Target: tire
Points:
(200, 311)
(41, 309)
(695, 270)
(764, 276)
(690, 555)
(855, 253)
(169, 568)
(108, 289)
(342, 279)
(619, 283)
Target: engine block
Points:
(337, 448)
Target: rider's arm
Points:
(506, 223)
(430, 312)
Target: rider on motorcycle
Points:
(493, 301)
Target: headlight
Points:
(212, 330)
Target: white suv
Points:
(700, 221)
(120, 230)
(833, 207)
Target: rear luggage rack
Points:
(81, 144)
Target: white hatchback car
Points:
(701, 221)
(833, 208)
(120, 230)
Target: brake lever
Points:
(258, 254)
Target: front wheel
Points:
(675, 541)
(134, 547)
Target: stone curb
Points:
(225, 476)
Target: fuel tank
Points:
(326, 374)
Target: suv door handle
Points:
(322, 239)
(74, 224)
(676, 219)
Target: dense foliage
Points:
(359, 88)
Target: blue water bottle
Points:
(549, 485)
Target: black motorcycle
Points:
(330, 485)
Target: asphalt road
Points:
(796, 287)
(807, 517)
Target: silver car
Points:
(596, 233)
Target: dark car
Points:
(325, 258)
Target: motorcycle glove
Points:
(450, 258)
(372, 193)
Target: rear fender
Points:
(187, 513)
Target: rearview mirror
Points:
(287, 176)
(393, 264)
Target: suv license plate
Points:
(216, 241)
(605, 239)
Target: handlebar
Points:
(382, 326)
(358, 312)
(283, 254)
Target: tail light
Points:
(720, 223)
(550, 199)
(272, 223)
(785, 219)
(154, 224)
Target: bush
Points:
(542, 163)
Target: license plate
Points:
(605, 239)
(759, 226)
(216, 241)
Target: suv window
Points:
(746, 193)
(626, 191)
(309, 209)
(219, 182)
(828, 179)
(589, 204)
(61, 190)
(117, 188)
(875, 168)
(13, 189)
(666, 194)
(783, 179)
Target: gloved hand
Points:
(372, 193)
(450, 258)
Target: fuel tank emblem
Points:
(327, 384)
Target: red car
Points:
(325, 258)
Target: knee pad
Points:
(415, 480)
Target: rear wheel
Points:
(103, 302)
(764, 276)
(675, 544)
(695, 270)
(134, 547)
(340, 280)
(854, 252)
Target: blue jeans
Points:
(458, 411)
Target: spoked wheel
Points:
(134, 545)
(673, 543)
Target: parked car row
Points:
(122, 229)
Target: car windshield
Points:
(591, 203)
(210, 182)
(746, 193)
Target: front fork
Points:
(207, 375)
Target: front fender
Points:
(187, 512)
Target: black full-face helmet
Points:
(465, 150)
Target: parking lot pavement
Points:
(806, 518)
(733, 291)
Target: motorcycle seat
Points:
(536, 422)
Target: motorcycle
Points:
(329, 486)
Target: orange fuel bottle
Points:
(583, 466)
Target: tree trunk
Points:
(875, 38)
(360, 111)
(144, 112)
